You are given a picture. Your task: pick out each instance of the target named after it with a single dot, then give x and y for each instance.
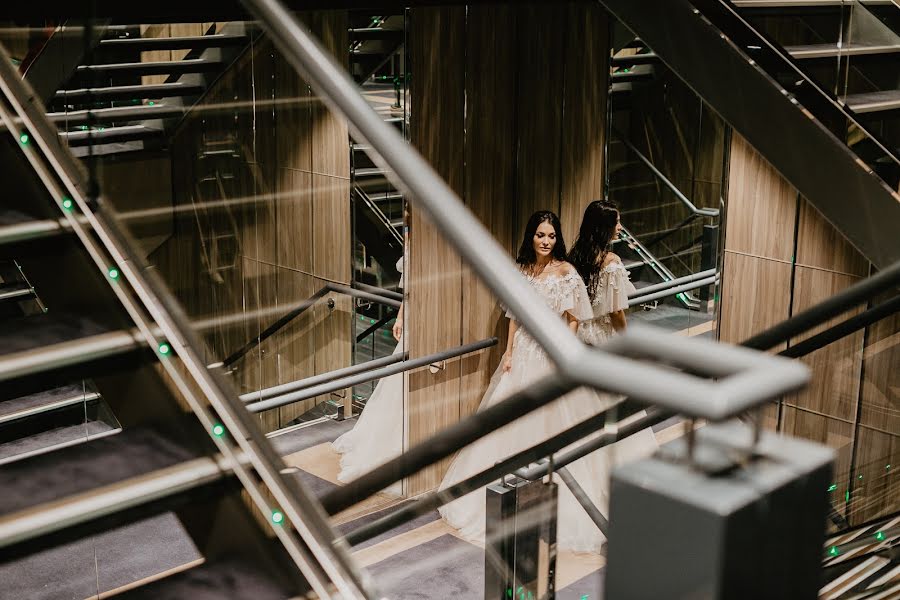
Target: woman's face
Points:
(544, 240)
(618, 225)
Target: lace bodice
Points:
(611, 295)
(563, 293)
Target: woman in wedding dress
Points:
(542, 260)
(378, 434)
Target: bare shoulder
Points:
(565, 268)
(611, 259)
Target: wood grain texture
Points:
(761, 206)
(821, 245)
(880, 407)
(491, 133)
(875, 482)
(433, 283)
(583, 137)
(755, 295)
(834, 387)
(540, 43)
(330, 227)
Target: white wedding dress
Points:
(378, 434)
(575, 530)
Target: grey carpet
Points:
(445, 567)
(673, 318)
(313, 435)
(409, 526)
(53, 437)
(318, 486)
(110, 560)
(42, 398)
(589, 587)
(83, 467)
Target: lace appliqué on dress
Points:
(611, 295)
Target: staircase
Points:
(105, 420)
(116, 101)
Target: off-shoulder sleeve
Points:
(574, 297)
(400, 270)
(616, 289)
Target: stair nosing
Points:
(35, 410)
(60, 446)
(67, 353)
(123, 89)
(151, 65)
(812, 51)
(22, 289)
(175, 42)
(58, 514)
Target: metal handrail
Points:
(672, 283)
(671, 291)
(308, 540)
(300, 384)
(744, 379)
(311, 391)
(703, 212)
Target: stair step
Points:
(53, 399)
(230, 577)
(645, 58)
(53, 491)
(369, 172)
(812, 51)
(50, 341)
(873, 101)
(140, 112)
(131, 92)
(14, 290)
(109, 134)
(379, 197)
(54, 440)
(637, 73)
(375, 33)
(217, 40)
(162, 67)
(18, 227)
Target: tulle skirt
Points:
(575, 530)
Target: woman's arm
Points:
(571, 321)
(507, 358)
(618, 321)
(398, 325)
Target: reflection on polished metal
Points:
(842, 187)
(671, 291)
(665, 285)
(750, 380)
(307, 391)
(704, 212)
(306, 535)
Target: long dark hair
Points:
(527, 255)
(598, 226)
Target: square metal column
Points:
(731, 524)
(520, 544)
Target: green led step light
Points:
(277, 517)
(67, 203)
(113, 273)
(23, 138)
(834, 551)
(879, 536)
(218, 430)
(165, 348)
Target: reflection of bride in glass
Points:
(542, 260)
(378, 434)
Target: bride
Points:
(378, 434)
(541, 259)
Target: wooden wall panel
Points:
(756, 294)
(293, 240)
(540, 43)
(880, 407)
(490, 182)
(822, 246)
(876, 486)
(433, 282)
(583, 135)
(761, 205)
(834, 387)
